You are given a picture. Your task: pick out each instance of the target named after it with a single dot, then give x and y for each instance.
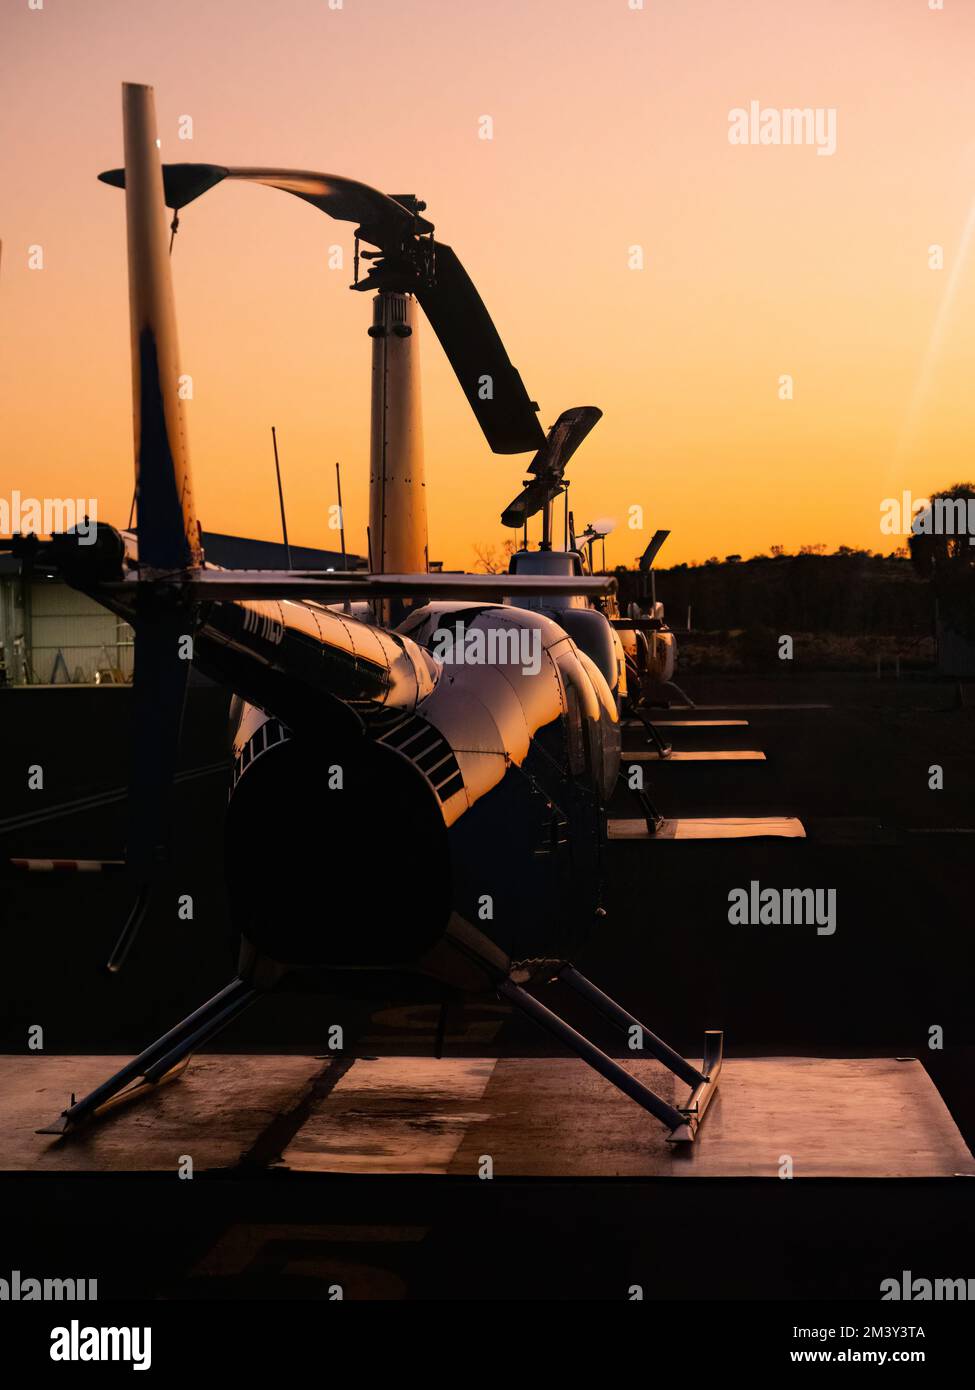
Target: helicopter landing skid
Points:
(161, 1061)
(682, 1121)
(672, 685)
(653, 733)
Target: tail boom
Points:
(169, 535)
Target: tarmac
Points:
(844, 1118)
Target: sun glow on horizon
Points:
(610, 132)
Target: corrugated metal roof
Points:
(241, 552)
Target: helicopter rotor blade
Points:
(492, 385)
(549, 464)
(430, 270)
(384, 221)
(563, 439)
(529, 502)
(650, 554)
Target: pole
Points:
(338, 484)
(284, 523)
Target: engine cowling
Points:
(324, 846)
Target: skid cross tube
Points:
(672, 1060)
(200, 1035)
(653, 734)
(590, 1053)
(163, 1055)
(653, 818)
(682, 1121)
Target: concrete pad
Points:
(872, 1117)
(554, 1117)
(214, 1112)
(393, 1115)
(688, 723)
(709, 828)
(728, 705)
(534, 1117)
(942, 830)
(697, 755)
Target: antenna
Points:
(338, 485)
(284, 522)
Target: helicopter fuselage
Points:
(469, 798)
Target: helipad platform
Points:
(532, 1117)
(709, 828)
(697, 755)
(688, 724)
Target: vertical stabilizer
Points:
(168, 530)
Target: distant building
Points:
(242, 553)
(50, 634)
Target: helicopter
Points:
(636, 651)
(475, 791)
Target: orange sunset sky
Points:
(610, 130)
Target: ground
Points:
(898, 966)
